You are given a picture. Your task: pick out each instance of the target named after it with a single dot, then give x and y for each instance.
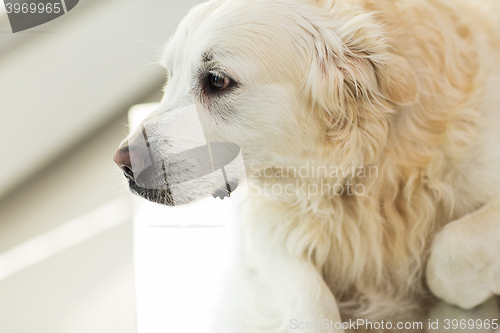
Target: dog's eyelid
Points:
(218, 69)
(221, 73)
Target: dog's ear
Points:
(354, 79)
(396, 80)
(347, 38)
(356, 90)
(341, 78)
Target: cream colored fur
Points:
(411, 87)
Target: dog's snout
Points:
(122, 159)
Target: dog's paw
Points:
(463, 268)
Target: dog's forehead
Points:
(253, 28)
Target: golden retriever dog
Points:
(370, 135)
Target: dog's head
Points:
(285, 80)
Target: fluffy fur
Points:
(408, 87)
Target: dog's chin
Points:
(164, 196)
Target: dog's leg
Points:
(464, 264)
(299, 290)
(247, 305)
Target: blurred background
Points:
(66, 257)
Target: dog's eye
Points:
(218, 82)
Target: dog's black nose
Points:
(122, 159)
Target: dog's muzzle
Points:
(183, 167)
